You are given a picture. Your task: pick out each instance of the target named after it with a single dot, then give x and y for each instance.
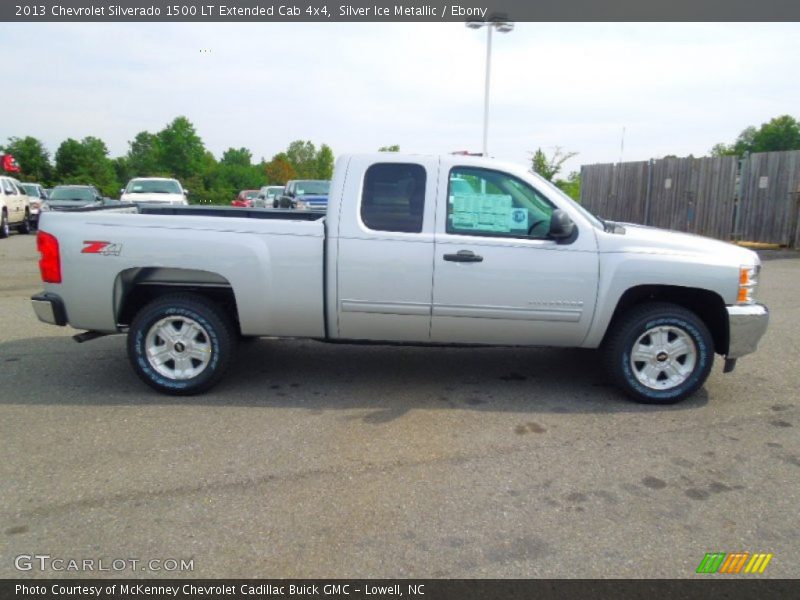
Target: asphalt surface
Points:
(317, 460)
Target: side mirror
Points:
(561, 225)
(122, 191)
(185, 192)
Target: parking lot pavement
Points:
(365, 461)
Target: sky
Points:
(675, 88)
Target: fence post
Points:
(741, 189)
(647, 194)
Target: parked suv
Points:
(304, 194)
(66, 197)
(15, 210)
(155, 190)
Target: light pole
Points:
(502, 26)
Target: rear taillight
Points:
(49, 257)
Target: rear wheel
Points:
(181, 344)
(25, 227)
(4, 230)
(659, 353)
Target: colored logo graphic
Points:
(735, 562)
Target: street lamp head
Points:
(476, 24)
(504, 26)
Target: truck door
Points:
(497, 278)
(384, 264)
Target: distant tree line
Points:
(780, 134)
(175, 151)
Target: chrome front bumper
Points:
(746, 326)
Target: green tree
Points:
(87, 162)
(571, 186)
(779, 134)
(143, 158)
(392, 148)
(181, 150)
(302, 155)
(240, 157)
(549, 166)
(69, 159)
(32, 157)
(324, 160)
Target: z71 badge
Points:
(104, 248)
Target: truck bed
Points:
(271, 261)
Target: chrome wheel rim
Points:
(178, 348)
(663, 357)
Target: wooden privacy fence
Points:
(756, 198)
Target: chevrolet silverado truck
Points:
(449, 250)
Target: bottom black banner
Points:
(382, 589)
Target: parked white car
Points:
(267, 195)
(155, 190)
(15, 209)
(37, 196)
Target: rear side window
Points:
(393, 198)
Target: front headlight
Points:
(748, 283)
(44, 207)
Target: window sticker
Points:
(486, 212)
(518, 219)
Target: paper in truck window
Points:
(487, 213)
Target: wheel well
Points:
(707, 305)
(136, 288)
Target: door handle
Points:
(463, 256)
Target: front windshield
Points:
(153, 186)
(274, 191)
(312, 188)
(252, 194)
(72, 194)
(30, 189)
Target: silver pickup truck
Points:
(413, 249)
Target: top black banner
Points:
(411, 10)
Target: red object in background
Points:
(244, 199)
(9, 164)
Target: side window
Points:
(8, 187)
(492, 203)
(393, 198)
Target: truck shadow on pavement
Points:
(388, 380)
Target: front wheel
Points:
(659, 353)
(181, 344)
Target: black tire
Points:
(4, 230)
(26, 224)
(672, 325)
(216, 337)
